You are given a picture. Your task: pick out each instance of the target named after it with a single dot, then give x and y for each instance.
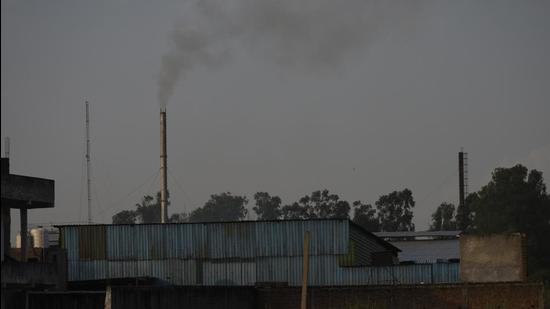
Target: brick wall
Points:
(471, 296)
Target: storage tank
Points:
(45, 237)
(18, 240)
(40, 237)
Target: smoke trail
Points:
(304, 34)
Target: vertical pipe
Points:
(24, 249)
(6, 230)
(461, 178)
(305, 271)
(163, 167)
(88, 176)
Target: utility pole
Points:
(88, 176)
(305, 271)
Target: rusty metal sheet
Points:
(92, 242)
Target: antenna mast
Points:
(88, 163)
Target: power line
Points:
(147, 180)
(185, 196)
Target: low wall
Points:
(183, 297)
(28, 274)
(66, 299)
(471, 296)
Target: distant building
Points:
(425, 247)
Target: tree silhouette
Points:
(395, 211)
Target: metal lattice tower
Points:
(465, 163)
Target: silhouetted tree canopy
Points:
(443, 219)
(365, 216)
(178, 218)
(320, 204)
(296, 211)
(267, 207)
(221, 207)
(516, 200)
(125, 217)
(395, 211)
(464, 213)
(147, 211)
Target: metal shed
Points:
(228, 253)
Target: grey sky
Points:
(387, 115)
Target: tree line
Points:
(392, 212)
(514, 200)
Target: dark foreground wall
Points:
(471, 296)
(59, 300)
(183, 297)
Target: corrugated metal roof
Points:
(418, 234)
(205, 222)
(428, 251)
(205, 241)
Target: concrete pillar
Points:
(24, 245)
(6, 230)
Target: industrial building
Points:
(426, 246)
(244, 253)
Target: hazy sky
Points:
(286, 100)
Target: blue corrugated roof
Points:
(428, 251)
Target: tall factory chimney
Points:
(462, 176)
(163, 168)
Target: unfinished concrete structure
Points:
(23, 193)
(47, 267)
(493, 258)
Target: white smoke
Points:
(304, 34)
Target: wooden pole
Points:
(305, 270)
(108, 298)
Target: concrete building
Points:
(46, 270)
(22, 193)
